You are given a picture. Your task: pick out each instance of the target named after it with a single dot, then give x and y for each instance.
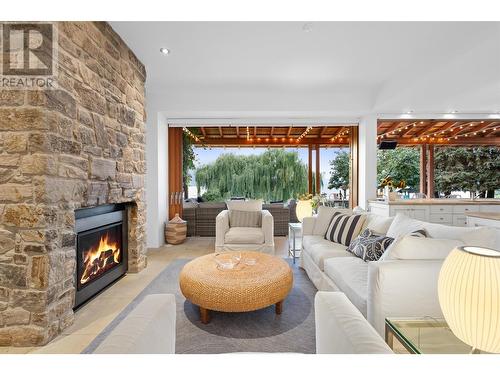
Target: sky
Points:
(206, 156)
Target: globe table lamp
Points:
(303, 209)
(469, 295)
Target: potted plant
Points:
(390, 187)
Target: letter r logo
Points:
(27, 49)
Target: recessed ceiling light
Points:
(164, 50)
(410, 111)
(454, 111)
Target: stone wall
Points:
(77, 146)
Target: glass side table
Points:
(424, 336)
(294, 239)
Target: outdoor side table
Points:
(294, 239)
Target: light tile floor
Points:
(93, 317)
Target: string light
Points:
(304, 133)
(191, 135)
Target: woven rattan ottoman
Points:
(244, 288)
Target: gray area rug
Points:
(256, 331)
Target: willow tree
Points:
(274, 175)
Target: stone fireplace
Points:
(79, 146)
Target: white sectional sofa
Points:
(341, 329)
(384, 288)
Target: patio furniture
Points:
(229, 238)
(281, 217)
(243, 288)
(206, 213)
(200, 217)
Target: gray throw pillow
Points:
(245, 218)
(369, 245)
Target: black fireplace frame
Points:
(93, 219)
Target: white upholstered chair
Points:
(233, 238)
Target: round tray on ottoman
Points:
(243, 288)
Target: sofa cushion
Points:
(403, 225)
(472, 236)
(249, 205)
(412, 247)
(351, 277)
(320, 249)
(324, 218)
(244, 235)
(376, 223)
(344, 228)
(239, 218)
(369, 245)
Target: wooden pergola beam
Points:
(289, 131)
(318, 173)
(471, 141)
(423, 167)
(323, 131)
(309, 169)
(237, 131)
(202, 129)
(430, 172)
(275, 141)
(221, 134)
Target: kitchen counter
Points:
(437, 201)
(485, 215)
(442, 211)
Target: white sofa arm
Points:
(268, 227)
(221, 227)
(341, 329)
(402, 288)
(308, 225)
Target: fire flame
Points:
(99, 259)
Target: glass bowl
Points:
(250, 261)
(227, 261)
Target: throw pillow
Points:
(245, 218)
(377, 223)
(419, 233)
(249, 205)
(412, 247)
(344, 228)
(403, 225)
(369, 245)
(324, 218)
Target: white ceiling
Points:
(335, 69)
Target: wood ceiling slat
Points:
(441, 132)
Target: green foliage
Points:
(188, 159)
(402, 163)
(339, 171)
(475, 169)
(274, 175)
(212, 195)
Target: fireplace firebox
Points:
(101, 249)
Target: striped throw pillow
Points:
(344, 228)
(245, 218)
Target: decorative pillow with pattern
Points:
(344, 228)
(369, 245)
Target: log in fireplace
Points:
(101, 249)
